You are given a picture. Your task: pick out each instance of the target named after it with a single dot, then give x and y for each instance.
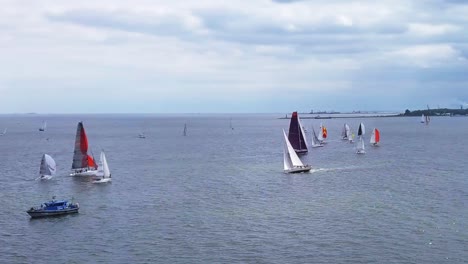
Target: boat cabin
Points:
(54, 205)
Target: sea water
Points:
(219, 195)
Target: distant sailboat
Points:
(4, 132)
(83, 163)
(141, 135)
(361, 133)
(375, 137)
(296, 136)
(185, 130)
(361, 148)
(423, 119)
(105, 174)
(345, 133)
(292, 163)
(230, 124)
(322, 134)
(48, 168)
(427, 120)
(315, 140)
(43, 127)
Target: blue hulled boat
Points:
(53, 208)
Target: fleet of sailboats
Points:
(83, 163)
(291, 161)
(48, 168)
(294, 143)
(296, 136)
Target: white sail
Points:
(286, 159)
(105, 166)
(361, 130)
(315, 141)
(292, 154)
(185, 130)
(48, 166)
(320, 135)
(348, 132)
(361, 147)
(44, 126)
(423, 119)
(302, 131)
(372, 139)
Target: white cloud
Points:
(431, 29)
(221, 49)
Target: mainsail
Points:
(48, 166)
(296, 134)
(315, 140)
(105, 166)
(423, 119)
(81, 159)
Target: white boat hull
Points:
(45, 177)
(305, 168)
(361, 152)
(87, 173)
(105, 180)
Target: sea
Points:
(219, 194)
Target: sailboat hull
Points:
(87, 173)
(361, 152)
(105, 180)
(305, 168)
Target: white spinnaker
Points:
(48, 166)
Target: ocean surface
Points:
(220, 196)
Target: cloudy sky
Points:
(183, 56)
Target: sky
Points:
(241, 56)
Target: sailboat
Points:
(230, 124)
(296, 136)
(141, 135)
(322, 134)
(185, 130)
(104, 172)
(361, 148)
(361, 133)
(427, 120)
(48, 168)
(423, 119)
(345, 133)
(375, 137)
(315, 140)
(4, 132)
(43, 127)
(292, 162)
(83, 163)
